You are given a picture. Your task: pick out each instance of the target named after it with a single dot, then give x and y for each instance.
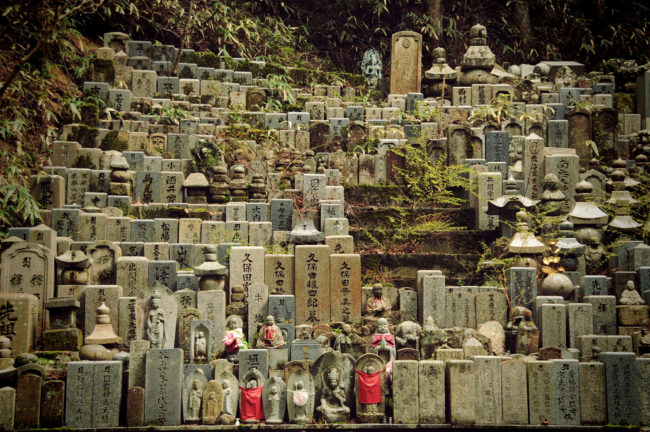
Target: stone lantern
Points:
(212, 273)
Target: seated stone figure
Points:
(270, 335)
(377, 305)
(332, 402)
(630, 296)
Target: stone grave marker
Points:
(312, 284)
(163, 384)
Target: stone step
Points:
(402, 268)
(448, 242)
(388, 217)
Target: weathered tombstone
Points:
(522, 285)
(135, 407)
(553, 319)
(491, 306)
(278, 273)
(622, 388)
(312, 284)
(487, 371)
(567, 392)
(643, 373)
(497, 147)
(246, 266)
(431, 392)
(514, 392)
(258, 302)
(19, 320)
(28, 401)
(79, 394)
(603, 313)
(432, 299)
(253, 358)
(163, 272)
(579, 322)
(406, 63)
(104, 255)
(345, 286)
(29, 269)
(580, 130)
(163, 387)
(541, 392)
(593, 395)
(461, 391)
(7, 407)
(532, 160)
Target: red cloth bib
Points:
(376, 340)
(251, 403)
(369, 387)
(269, 333)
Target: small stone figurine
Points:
(270, 335)
(383, 343)
(332, 402)
(156, 322)
(377, 305)
(630, 296)
(234, 339)
(200, 348)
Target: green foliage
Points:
(17, 206)
(172, 115)
(431, 182)
(280, 85)
(500, 109)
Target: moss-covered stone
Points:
(175, 212)
(301, 76)
(624, 103)
(200, 213)
(90, 114)
(207, 59)
(272, 69)
(111, 141)
(84, 135)
(189, 57)
(353, 79)
(103, 71)
(62, 340)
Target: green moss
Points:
(352, 79)
(89, 114)
(84, 135)
(207, 59)
(624, 103)
(103, 70)
(175, 212)
(272, 69)
(301, 76)
(112, 142)
(244, 66)
(189, 57)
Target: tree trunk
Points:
(434, 11)
(522, 21)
